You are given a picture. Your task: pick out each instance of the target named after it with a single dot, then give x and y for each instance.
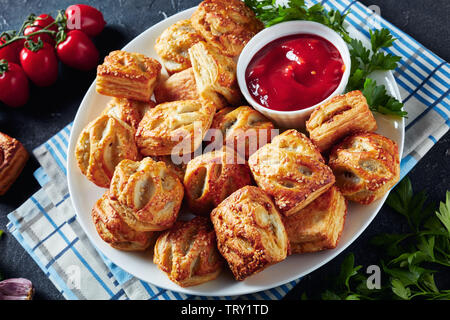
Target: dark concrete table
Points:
(52, 108)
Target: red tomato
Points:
(44, 20)
(78, 51)
(46, 37)
(85, 18)
(41, 66)
(14, 89)
(11, 52)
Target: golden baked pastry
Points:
(101, 146)
(178, 168)
(188, 254)
(366, 166)
(213, 176)
(149, 193)
(340, 116)
(215, 75)
(294, 141)
(113, 230)
(13, 158)
(176, 127)
(250, 233)
(173, 44)
(226, 24)
(244, 129)
(128, 111)
(319, 225)
(128, 75)
(179, 86)
(291, 170)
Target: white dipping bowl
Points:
(290, 119)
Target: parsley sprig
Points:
(410, 260)
(270, 13)
(364, 60)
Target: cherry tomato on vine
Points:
(14, 88)
(85, 18)
(44, 20)
(78, 51)
(12, 51)
(39, 62)
(46, 37)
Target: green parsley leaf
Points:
(356, 80)
(381, 39)
(444, 212)
(412, 254)
(366, 61)
(400, 290)
(380, 101)
(430, 284)
(426, 247)
(359, 51)
(383, 61)
(348, 270)
(407, 277)
(270, 13)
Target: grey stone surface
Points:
(52, 108)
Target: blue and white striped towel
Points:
(47, 227)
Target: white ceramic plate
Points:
(84, 195)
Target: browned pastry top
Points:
(150, 193)
(366, 166)
(244, 129)
(250, 232)
(176, 127)
(113, 230)
(173, 44)
(128, 111)
(188, 252)
(291, 170)
(226, 24)
(132, 66)
(13, 158)
(213, 176)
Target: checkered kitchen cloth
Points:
(47, 227)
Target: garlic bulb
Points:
(16, 289)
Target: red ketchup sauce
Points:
(294, 72)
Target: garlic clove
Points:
(16, 289)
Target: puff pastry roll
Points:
(176, 127)
(215, 75)
(294, 141)
(340, 116)
(173, 44)
(101, 146)
(178, 168)
(319, 225)
(291, 170)
(243, 129)
(114, 231)
(149, 193)
(180, 86)
(188, 254)
(213, 176)
(250, 233)
(128, 112)
(128, 75)
(13, 158)
(366, 166)
(226, 24)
